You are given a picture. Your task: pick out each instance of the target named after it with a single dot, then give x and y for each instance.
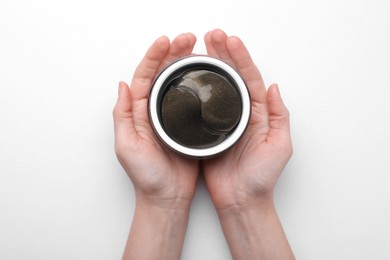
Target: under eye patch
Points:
(200, 109)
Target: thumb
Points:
(123, 115)
(279, 118)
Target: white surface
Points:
(64, 196)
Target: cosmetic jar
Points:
(199, 106)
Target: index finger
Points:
(148, 67)
(247, 69)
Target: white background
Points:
(64, 196)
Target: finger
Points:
(247, 69)
(148, 67)
(123, 116)
(181, 46)
(211, 51)
(218, 40)
(279, 121)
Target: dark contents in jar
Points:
(200, 109)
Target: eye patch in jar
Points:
(199, 106)
(200, 109)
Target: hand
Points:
(241, 181)
(250, 169)
(159, 175)
(164, 182)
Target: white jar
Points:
(199, 106)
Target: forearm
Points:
(156, 233)
(255, 232)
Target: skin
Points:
(165, 188)
(240, 181)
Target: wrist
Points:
(163, 203)
(157, 231)
(239, 208)
(169, 219)
(253, 231)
